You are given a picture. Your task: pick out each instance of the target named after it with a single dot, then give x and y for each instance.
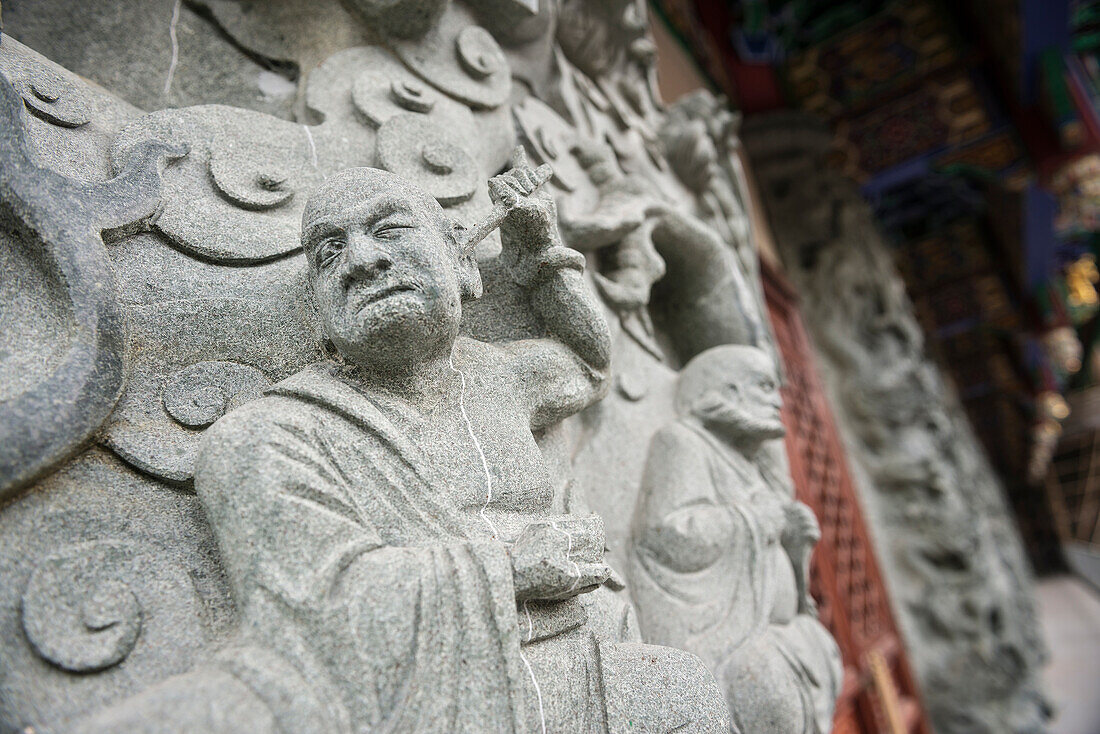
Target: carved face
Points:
(804, 208)
(733, 390)
(752, 399)
(387, 274)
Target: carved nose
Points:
(366, 261)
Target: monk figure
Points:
(385, 516)
(721, 549)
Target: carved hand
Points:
(558, 559)
(800, 535)
(531, 214)
(691, 538)
(801, 527)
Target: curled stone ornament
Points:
(238, 178)
(198, 395)
(550, 139)
(159, 420)
(235, 197)
(479, 53)
(77, 613)
(412, 96)
(426, 155)
(379, 97)
(56, 100)
(460, 59)
(63, 371)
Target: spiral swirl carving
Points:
(78, 612)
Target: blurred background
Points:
(972, 131)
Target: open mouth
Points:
(381, 293)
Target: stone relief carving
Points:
(382, 516)
(952, 557)
(721, 548)
(311, 405)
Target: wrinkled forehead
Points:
(359, 194)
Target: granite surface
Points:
(347, 351)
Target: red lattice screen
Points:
(845, 577)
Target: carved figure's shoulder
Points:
(678, 436)
(477, 357)
(467, 348)
(254, 424)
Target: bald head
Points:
(365, 194)
(387, 275)
(734, 388)
(732, 363)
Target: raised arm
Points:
(566, 371)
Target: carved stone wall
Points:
(950, 552)
(241, 495)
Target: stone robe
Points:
(710, 576)
(345, 554)
(350, 558)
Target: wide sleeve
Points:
(417, 638)
(679, 521)
(280, 510)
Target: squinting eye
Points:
(391, 230)
(328, 250)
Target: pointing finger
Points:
(519, 158)
(541, 175)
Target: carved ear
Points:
(469, 274)
(707, 404)
(469, 277)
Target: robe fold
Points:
(347, 558)
(709, 576)
(371, 601)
